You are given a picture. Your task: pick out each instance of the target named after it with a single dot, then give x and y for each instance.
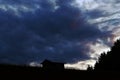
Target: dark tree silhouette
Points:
(90, 68)
(110, 60)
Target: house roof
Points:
(48, 61)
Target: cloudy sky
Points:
(75, 32)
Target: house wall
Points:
(53, 66)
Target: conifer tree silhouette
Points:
(89, 68)
(110, 60)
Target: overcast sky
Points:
(75, 32)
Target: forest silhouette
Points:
(107, 67)
(109, 61)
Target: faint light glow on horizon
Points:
(82, 65)
(35, 64)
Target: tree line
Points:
(109, 61)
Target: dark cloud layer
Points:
(54, 30)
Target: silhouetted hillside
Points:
(10, 72)
(110, 61)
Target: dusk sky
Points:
(75, 32)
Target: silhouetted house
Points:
(52, 65)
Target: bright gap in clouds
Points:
(95, 50)
(82, 65)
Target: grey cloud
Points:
(58, 35)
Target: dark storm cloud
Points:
(58, 34)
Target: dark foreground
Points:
(9, 72)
